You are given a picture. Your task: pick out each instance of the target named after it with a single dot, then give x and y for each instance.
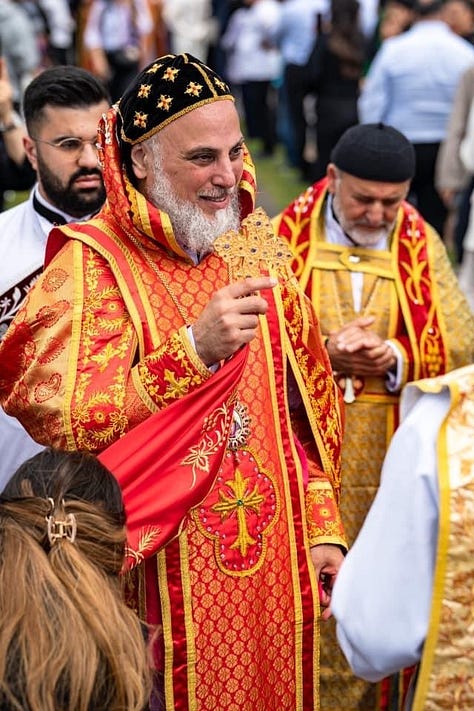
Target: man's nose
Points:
(225, 174)
(88, 155)
(375, 213)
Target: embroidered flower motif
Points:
(47, 388)
(220, 84)
(170, 74)
(54, 280)
(49, 315)
(177, 387)
(165, 102)
(140, 119)
(193, 88)
(154, 68)
(144, 91)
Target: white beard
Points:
(195, 231)
(357, 233)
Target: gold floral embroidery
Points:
(169, 383)
(238, 504)
(146, 539)
(212, 440)
(322, 515)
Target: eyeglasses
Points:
(70, 146)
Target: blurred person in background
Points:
(466, 271)
(54, 28)
(411, 85)
(296, 35)
(116, 41)
(334, 72)
(16, 172)
(253, 65)
(395, 17)
(191, 26)
(18, 47)
(459, 15)
(453, 181)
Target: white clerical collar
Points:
(52, 214)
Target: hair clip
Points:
(59, 528)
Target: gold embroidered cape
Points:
(412, 292)
(100, 345)
(445, 680)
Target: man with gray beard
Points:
(194, 230)
(391, 310)
(169, 336)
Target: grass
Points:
(277, 183)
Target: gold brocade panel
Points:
(446, 676)
(236, 575)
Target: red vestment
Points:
(100, 345)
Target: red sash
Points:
(167, 465)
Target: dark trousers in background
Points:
(259, 102)
(123, 73)
(295, 88)
(423, 193)
(462, 219)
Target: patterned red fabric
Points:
(168, 464)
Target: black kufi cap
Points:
(374, 151)
(165, 90)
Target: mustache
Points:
(364, 223)
(219, 193)
(84, 173)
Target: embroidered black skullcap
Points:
(375, 151)
(165, 90)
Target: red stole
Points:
(167, 465)
(418, 322)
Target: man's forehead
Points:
(71, 119)
(375, 188)
(206, 126)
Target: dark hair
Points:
(67, 638)
(53, 473)
(346, 41)
(62, 86)
(426, 8)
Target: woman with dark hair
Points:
(67, 639)
(334, 71)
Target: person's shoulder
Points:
(392, 48)
(12, 216)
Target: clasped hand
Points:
(356, 350)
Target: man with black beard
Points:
(391, 311)
(61, 107)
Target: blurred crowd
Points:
(303, 72)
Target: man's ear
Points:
(30, 150)
(332, 177)
(139, 159)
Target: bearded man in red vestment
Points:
(169, 336)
